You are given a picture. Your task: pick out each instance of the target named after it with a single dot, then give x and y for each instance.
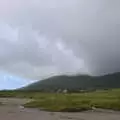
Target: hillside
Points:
(77, 82)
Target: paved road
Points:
(11, 110)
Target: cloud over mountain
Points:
(39, 38)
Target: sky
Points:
(42, 38)
(8, 82)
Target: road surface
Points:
(12, 110)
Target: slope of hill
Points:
(77, 82)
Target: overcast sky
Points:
(40, 38)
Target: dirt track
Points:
(11, 110)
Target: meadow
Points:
(73, 102)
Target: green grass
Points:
(109, 99)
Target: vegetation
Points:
(74, 83)
(106, 99)
(77, 102)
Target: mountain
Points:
(77, 82)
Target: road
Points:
(11, 110)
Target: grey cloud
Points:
(60, 36)
(35, 56)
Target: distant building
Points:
(59, 91)
(65, 91)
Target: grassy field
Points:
(106, 99)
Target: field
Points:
(74, 102)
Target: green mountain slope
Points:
(77, 82)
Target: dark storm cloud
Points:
(42, 38)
